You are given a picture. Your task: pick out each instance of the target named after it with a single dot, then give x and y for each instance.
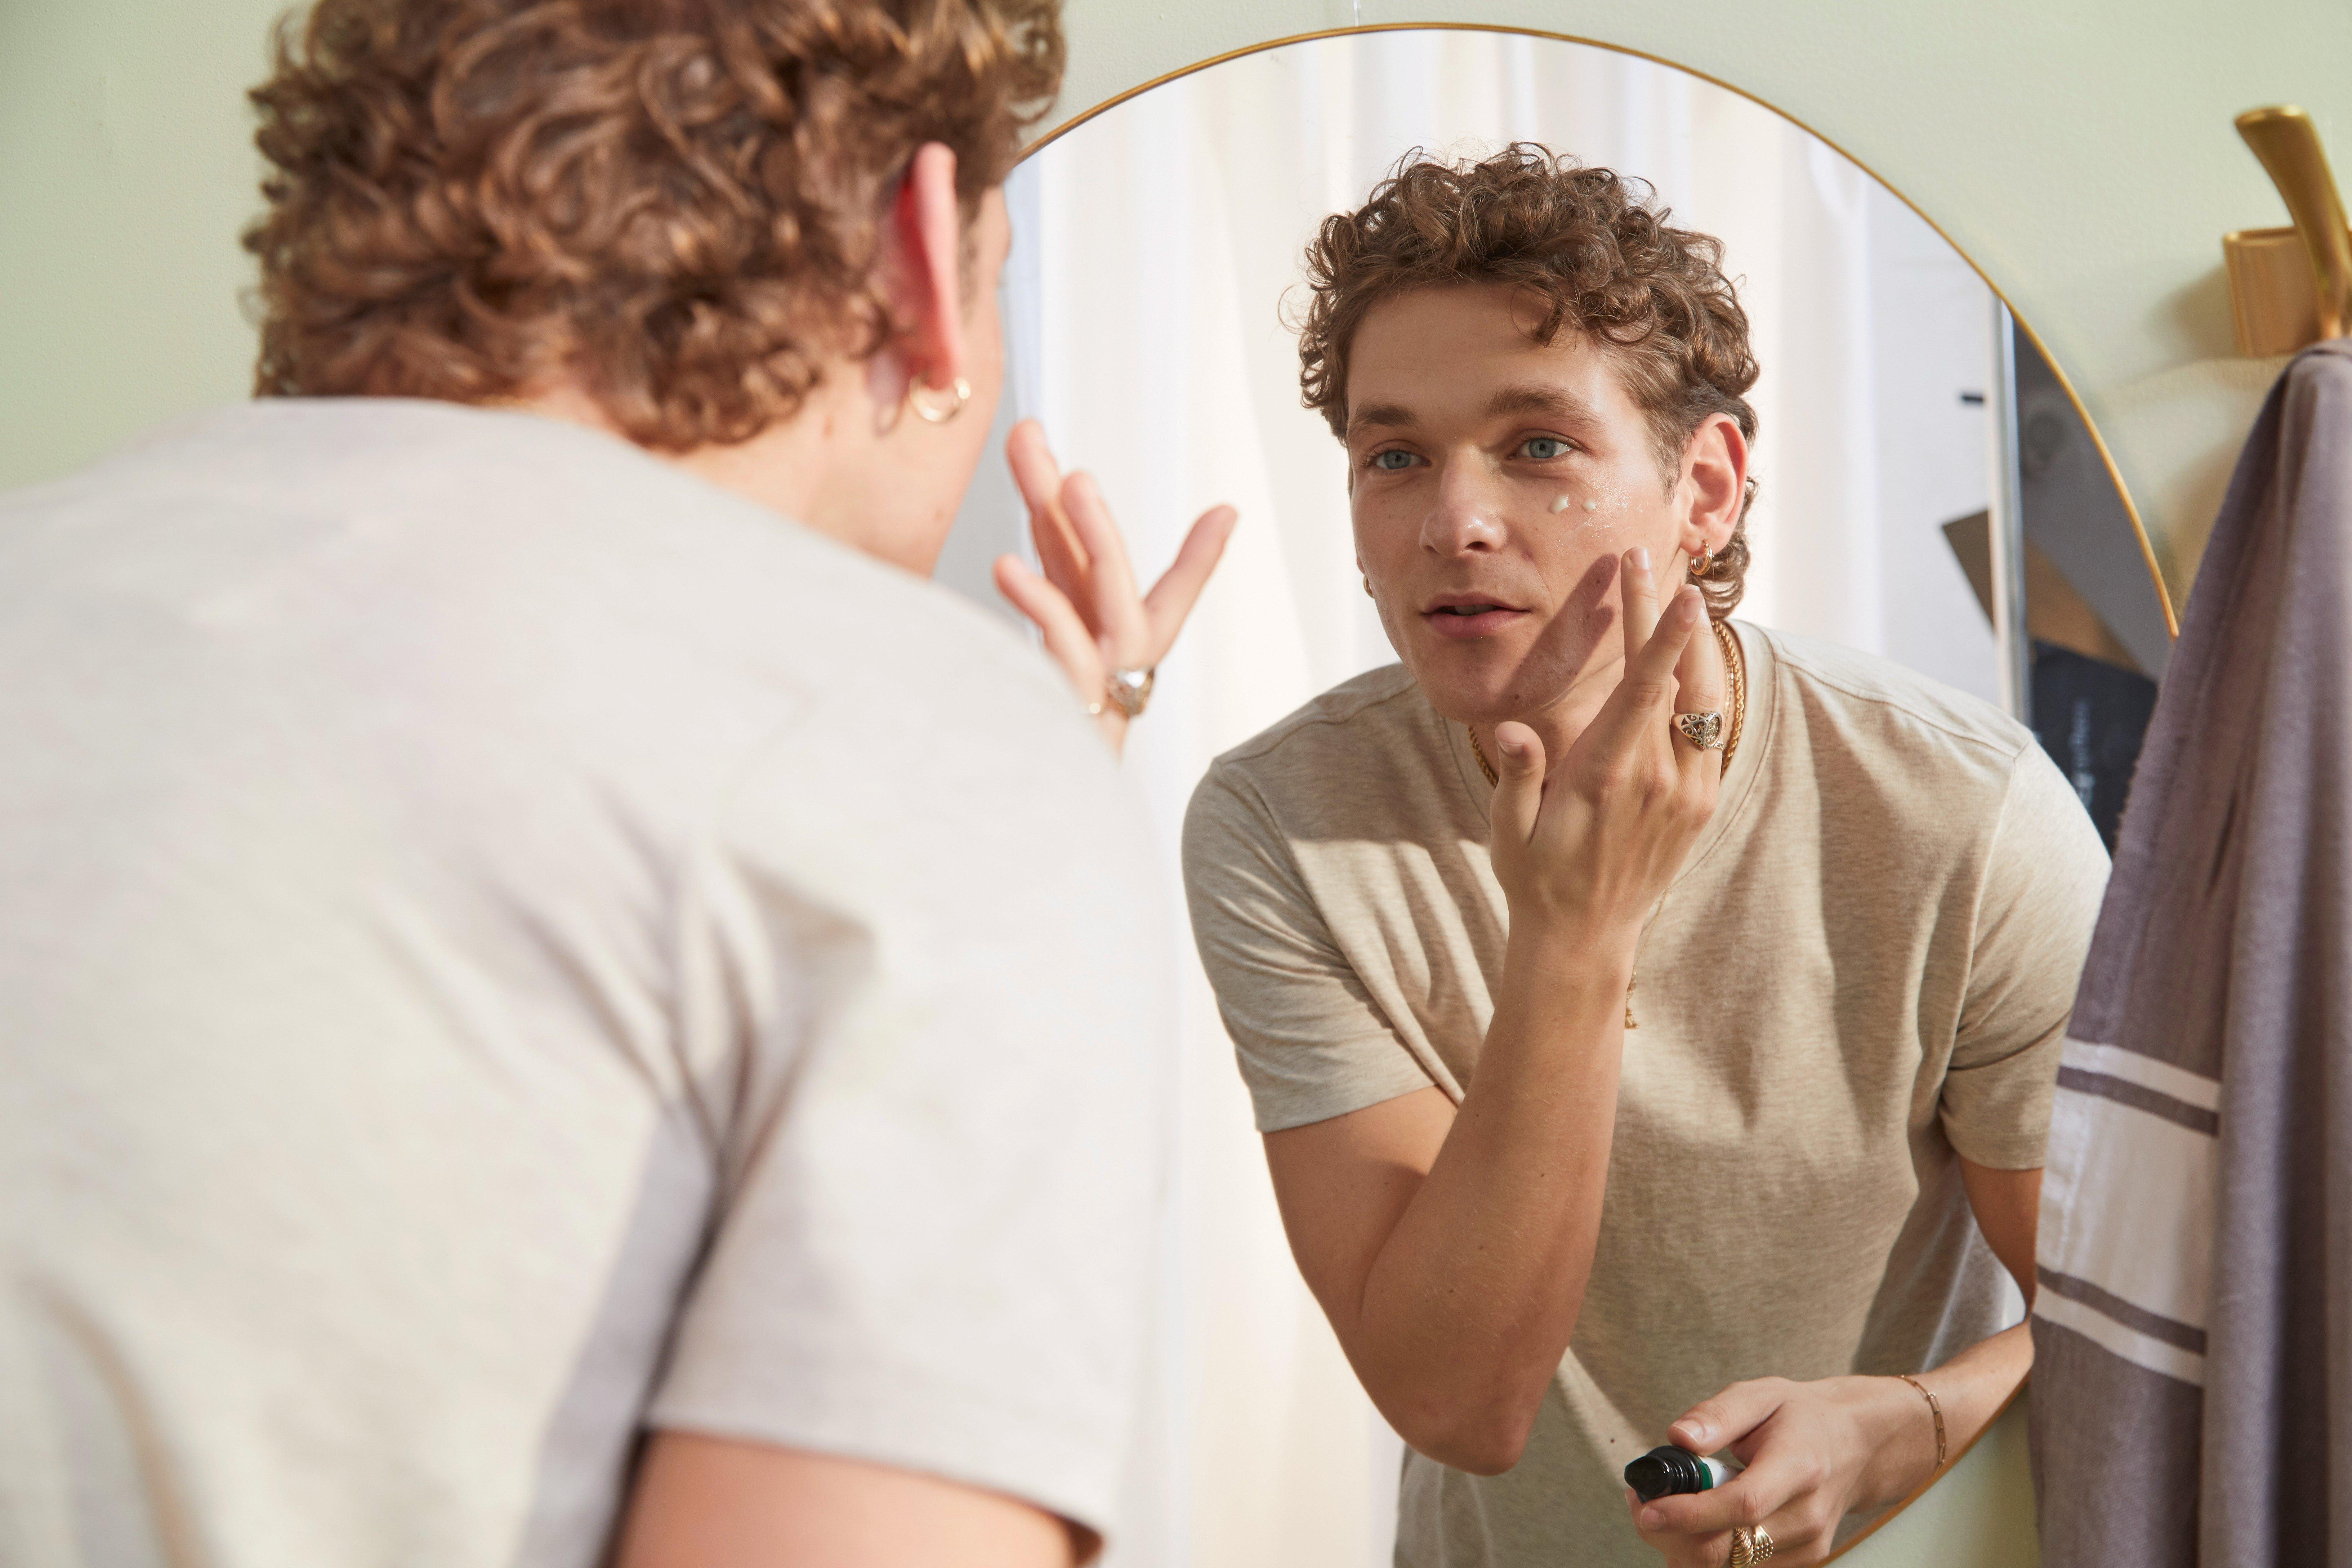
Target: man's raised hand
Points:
(1085, 603)
(1596, 842)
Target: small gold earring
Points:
(1702, 561)
(930, 413)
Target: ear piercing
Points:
(959, 394)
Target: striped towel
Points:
(2193, 1328)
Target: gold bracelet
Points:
(1935, 1408)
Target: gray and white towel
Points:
(2193, 1328)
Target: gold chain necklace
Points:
(1735, 665)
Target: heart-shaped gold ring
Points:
(1704, 731)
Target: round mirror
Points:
(1927, 495)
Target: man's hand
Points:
(1596, 842)
(1815, 1452)
(1086, 603)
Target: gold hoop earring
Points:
(1702, 561)
(931, 414)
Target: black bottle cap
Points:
(1664, 1471)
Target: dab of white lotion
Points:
(1559, 505)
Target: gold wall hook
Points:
(2268, 277)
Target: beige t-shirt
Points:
(503, 945)
(1863, 967)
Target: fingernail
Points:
(1650, 1520)
(1512, 748)
(1641, 558)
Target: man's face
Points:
(1494, 482)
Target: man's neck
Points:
(815, 467)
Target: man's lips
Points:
(1467, 616)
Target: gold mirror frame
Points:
(2065, 383)
(2107, 458)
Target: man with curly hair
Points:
(1652, 1021)
(562, 1004)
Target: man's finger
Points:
(1644, 697)
(1518, 784)
(1034, 468)
(1751, 1497)
(1713, 1425)
(1678, 625)
(1059, 551)
(1637, 591)
(1178, 588)
(1731, 1415)
(1067, 641)
(1116, 611)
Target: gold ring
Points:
(1704, 731)
(1751, 1545)
(1129, 691)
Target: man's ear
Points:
(1714, 477)
(927, 272)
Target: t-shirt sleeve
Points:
(2044, 879)
(943, 1140)
(1311, 1041)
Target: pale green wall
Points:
(2079, 150)
(126, 169)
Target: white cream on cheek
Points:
(1617, 505)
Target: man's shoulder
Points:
(554, 593)
(1862, 699)
(1369, 759)
(1367, 722)
(475, 519)
(1891, 750)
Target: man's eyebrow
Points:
(1535, 397)
(1386, 416)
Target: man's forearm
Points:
(1971, 1388)
(1470, 1303)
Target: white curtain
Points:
(1154, 248)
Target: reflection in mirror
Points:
(1737, 1081)
(2096, 631)
(2097, 621)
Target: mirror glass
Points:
(1150, 309)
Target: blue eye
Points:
(1403, 460)
(1543, 449)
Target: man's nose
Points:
(1466, 513)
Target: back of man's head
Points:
(678, 204)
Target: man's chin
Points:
(1486, 681)
(1469, 696)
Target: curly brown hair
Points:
(1591, 246)
(678, 202)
